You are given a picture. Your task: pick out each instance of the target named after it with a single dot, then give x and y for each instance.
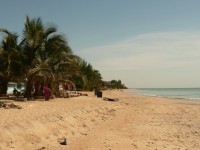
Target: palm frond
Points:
(49, 31)
(41, 70)
(65, 81)
(69, 63)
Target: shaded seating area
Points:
(68, 94)
(67, 89)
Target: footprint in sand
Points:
(92, 120)
(134, 145)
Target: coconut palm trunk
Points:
(4, 86)
(28, 90)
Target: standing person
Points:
(33, 91)
(47, 92)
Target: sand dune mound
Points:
(41, 124)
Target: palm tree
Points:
(10, 59)
(46, 54)
(42, 57)
(88, 77)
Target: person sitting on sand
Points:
(47, 92)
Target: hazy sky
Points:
(145, 43)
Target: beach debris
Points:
(82, 94)
(43, 147)
(63, 141)
(110, 99)
(7, 105)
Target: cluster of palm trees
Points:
(114, 84)
(42, 57)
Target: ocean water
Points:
(180, 93)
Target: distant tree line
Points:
(114, 84)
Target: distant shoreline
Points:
(168, 93)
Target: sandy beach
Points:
(90, 123)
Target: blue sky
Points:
(145, 43)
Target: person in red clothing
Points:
(47, 92)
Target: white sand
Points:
(88, 123)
